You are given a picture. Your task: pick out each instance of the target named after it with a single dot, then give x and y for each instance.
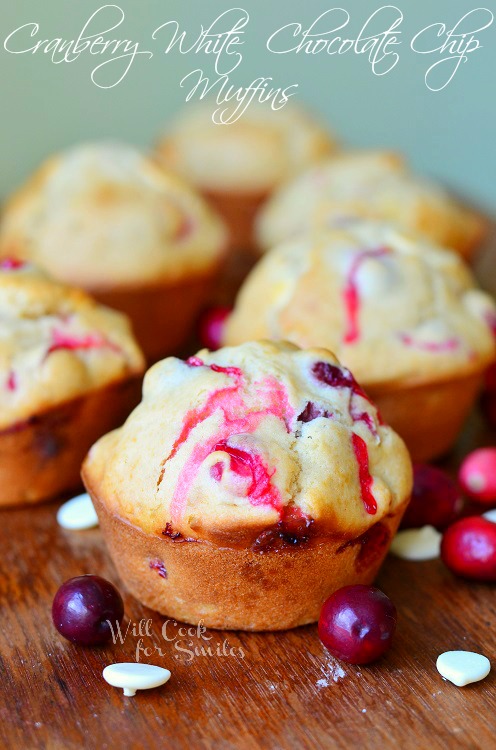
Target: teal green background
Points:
(449, 134)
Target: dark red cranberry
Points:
(311, 412)
(357, 624)
(333, 375)
(171, 533)
(436, 500)
(477, 475)
(468, 548)
(82, 608)
(295, 528)
(211, 327)
(159, 566)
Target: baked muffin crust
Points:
(394, 308)
(253, 154)
(230, 443)
(368, 184)
(56, 344)
(102, 215)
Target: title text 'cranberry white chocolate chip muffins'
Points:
(374, 185)
(70, 371)
(107, 218)
(237, 165)
(403, 315)
(248, 485)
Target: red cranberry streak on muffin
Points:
(351, 294)
(246, 472)
(271, 398)
(404, 315)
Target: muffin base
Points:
(240, 589)
(430, 416)
(162, 315)
(41, 457)
(238, 211)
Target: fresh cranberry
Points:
(436, 499)
(478, 475)
(82, 608)
(468, 548)
(357, 624)
(211, 327)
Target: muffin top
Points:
(255, 153)
(56, 343)
(392, 308)
(368, 184)
(263, 435)
(104, 214)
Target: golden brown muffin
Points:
(403, 315)
(374, 185)
(105, 217)
(70, 370)
(237, 166)
(248, 485)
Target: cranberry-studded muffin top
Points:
(56, 343)
(367, 184)
(104, 214)
(255, 153)
(391, 307)
(264, 435)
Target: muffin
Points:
(374, 185)
(70, 371)
(108, 219)
(248, 485)
(403, 315)
(236, 166)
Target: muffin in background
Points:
(374, 185)
(70, 370)
(403, 315)
(261, 481)
(238, 165)
(107, 218)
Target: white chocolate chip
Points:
(463, 667)
(131, 676)
(490, 515)
(77, 514)
(417, 544)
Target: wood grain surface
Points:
(280, 690)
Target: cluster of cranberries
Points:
(468, 546)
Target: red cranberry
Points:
(357, 624)
(478, 475)
(468, 548)
(211, 327)
(83, 605)
(436, 499)
(311, 412)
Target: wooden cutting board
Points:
(271, 691)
